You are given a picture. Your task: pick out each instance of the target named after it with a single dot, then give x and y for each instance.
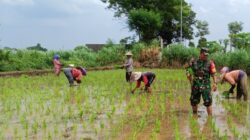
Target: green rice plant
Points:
(55, 131)
(245, 136)
(154, 135)
(49, 135)
(93, 117)
(56, 105)
(235, 131)
(75, 128)
(174, 122)
(44, 125)
(84, 125)
(23, 120)
(18, 108)
(47, 111)
(15, 133)
(70, 113)
(102, 125)
(157, 127)
(109, 115)
(26, 126)
(215, 129)
(80, 114)
(142, 123)
(224, 137)
(113, 109)
(233, 127)
(194, 127)
(34, 127)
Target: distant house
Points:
(95, 47)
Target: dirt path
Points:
(46, 71)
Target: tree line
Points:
(173, 21)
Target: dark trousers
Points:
(242, 86)
(128, 75)
(68, 74)
(151, 78)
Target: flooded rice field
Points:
(102, 108)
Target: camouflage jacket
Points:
(201, 71)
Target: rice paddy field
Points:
(102, 108)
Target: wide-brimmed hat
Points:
(224, 70)
(128, 54)
(135, 76)
(71, 65)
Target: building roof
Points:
(95, 47)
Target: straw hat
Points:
(135, 76)
(129, 54)
(71, 65)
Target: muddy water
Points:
(103, 126)
(220, 115)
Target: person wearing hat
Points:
(202, 70)
(128, 65)
(146, 77)
(57, 64)
(235, 77)
(74, 74)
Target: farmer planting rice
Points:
(128, 65)
(57, 64)
(146, 77)
(201, 69)
(235, 77)
(74, 74)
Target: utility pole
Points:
(181, 24)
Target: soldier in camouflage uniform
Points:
(198, 73)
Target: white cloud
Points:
(203, 10)
(83, 2)
(17, 2)
(239, 3)
(72, 7)
(80, 6)
(236, 6)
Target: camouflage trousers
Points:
(199, 90)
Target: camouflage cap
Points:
(204, 50)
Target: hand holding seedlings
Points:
(235, 77)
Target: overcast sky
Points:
(64, 24)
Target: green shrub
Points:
(220, 59)
(12, 60)
(110, 55)
(136, 49)
(214, 47)
(84, 57)
(239, 60)
(178, 53)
